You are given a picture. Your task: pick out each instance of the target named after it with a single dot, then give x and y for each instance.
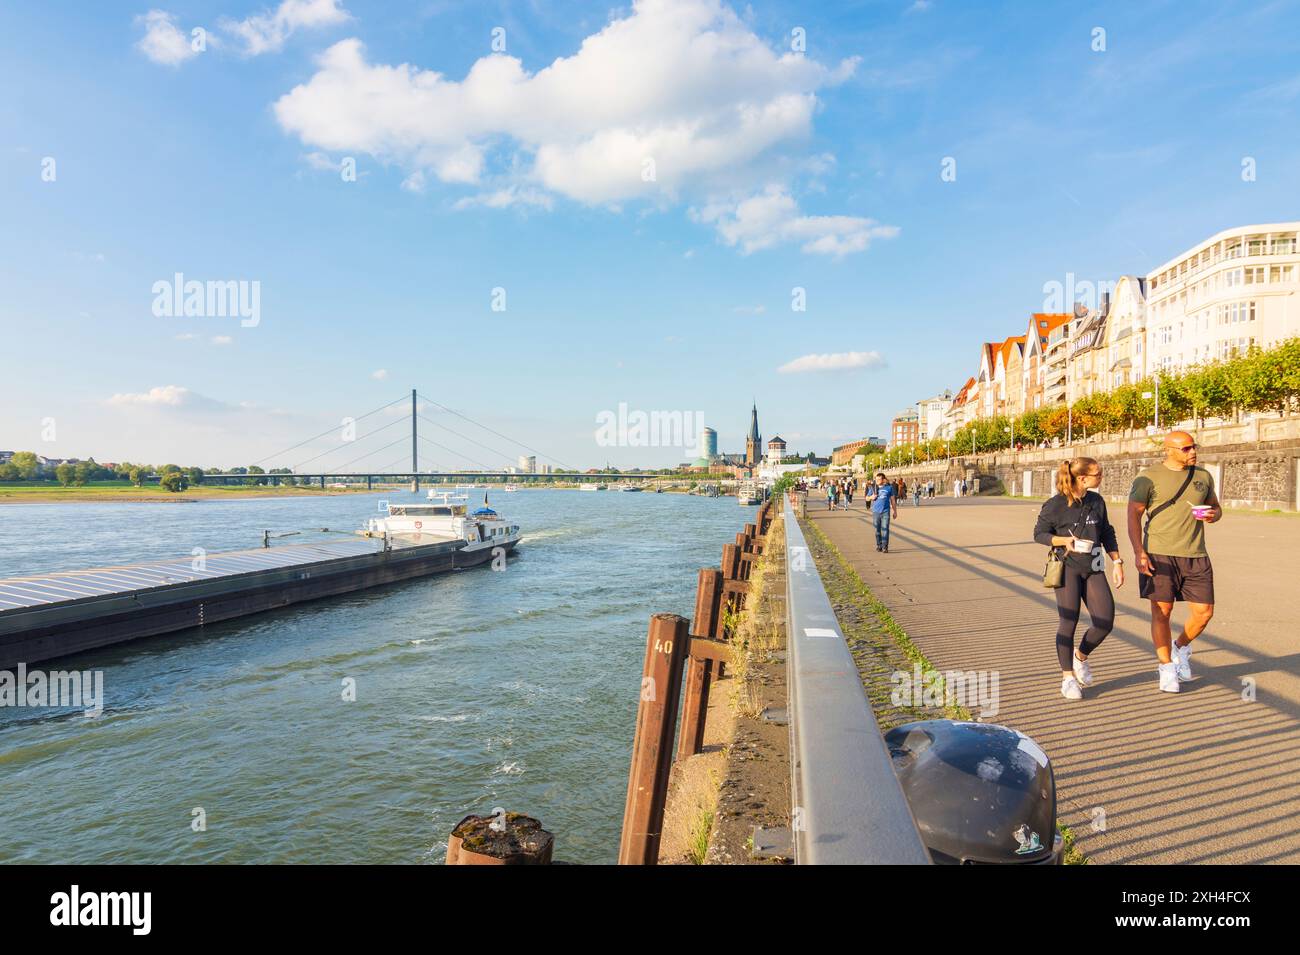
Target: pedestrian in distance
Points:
(830, 496)
(1177, 499)
(916, 494)
(1074, 524)
(883, 498)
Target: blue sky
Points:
(773, 171)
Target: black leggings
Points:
(1094, 591)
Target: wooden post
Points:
(667, 644)
(699, 673)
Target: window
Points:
(1284, 246)
(1232, 277)
(1255, 275)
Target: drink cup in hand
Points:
(1201, 511)
(1081, 546)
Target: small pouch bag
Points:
(1054, 572)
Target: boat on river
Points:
(447, 517)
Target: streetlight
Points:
(1012, 431)
(1147, 394)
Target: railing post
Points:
(699, 673)
(667, 644)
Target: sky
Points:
(539, 213)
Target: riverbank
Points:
(38, 494)
(740, 783)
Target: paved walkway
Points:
(1200, 776)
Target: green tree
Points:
(136, 475)
(195, 475)
(66, 474)
(27, 465)
(174, 481)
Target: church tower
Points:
(753, 443)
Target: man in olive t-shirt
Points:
(1178, 499)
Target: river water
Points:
(474, 690)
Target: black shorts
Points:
(1178, 578)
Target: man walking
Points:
(1178, 500)
(884, 502)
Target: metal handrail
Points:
(847, 805)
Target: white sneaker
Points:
(1182, 657)
(1169, 677)
(1082, 672)
(1070, 689)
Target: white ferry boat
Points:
(448, 517)
(591, 487)
(749, 492)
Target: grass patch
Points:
(697, 848)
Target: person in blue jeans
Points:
(884, 504)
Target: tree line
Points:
(1257, 380)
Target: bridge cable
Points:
(497, 433)
(327, 431)
(362, 438)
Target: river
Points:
(474, 690)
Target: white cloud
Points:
(222, 340)
(267, 32)
(504, 198)
(187, 337)
(835, 361)
(683, 83)
(172, 396)
(163, 42)
(773, 218)
(749, 309)
(380, 374)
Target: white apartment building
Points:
(931, 412)
(527, 464)
(1235, 289)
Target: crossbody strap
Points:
(1151, 515)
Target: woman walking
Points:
(1075, 520)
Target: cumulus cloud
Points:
(834, 361)
(772, 218)
(168, 398)
(267, 31)
(379, 374)
(676, 93)
(163, 41)
(222, 340)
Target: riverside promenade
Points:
(1201, 776)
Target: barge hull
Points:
(51, 630)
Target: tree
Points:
(66, 474)
(136, 475)
(195, 475)
(27, 465)
(174, 481)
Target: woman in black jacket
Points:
(1075, 518)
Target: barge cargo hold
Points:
(54, 615)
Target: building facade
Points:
(904, 429)
(931, 413)
(1236, 289)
